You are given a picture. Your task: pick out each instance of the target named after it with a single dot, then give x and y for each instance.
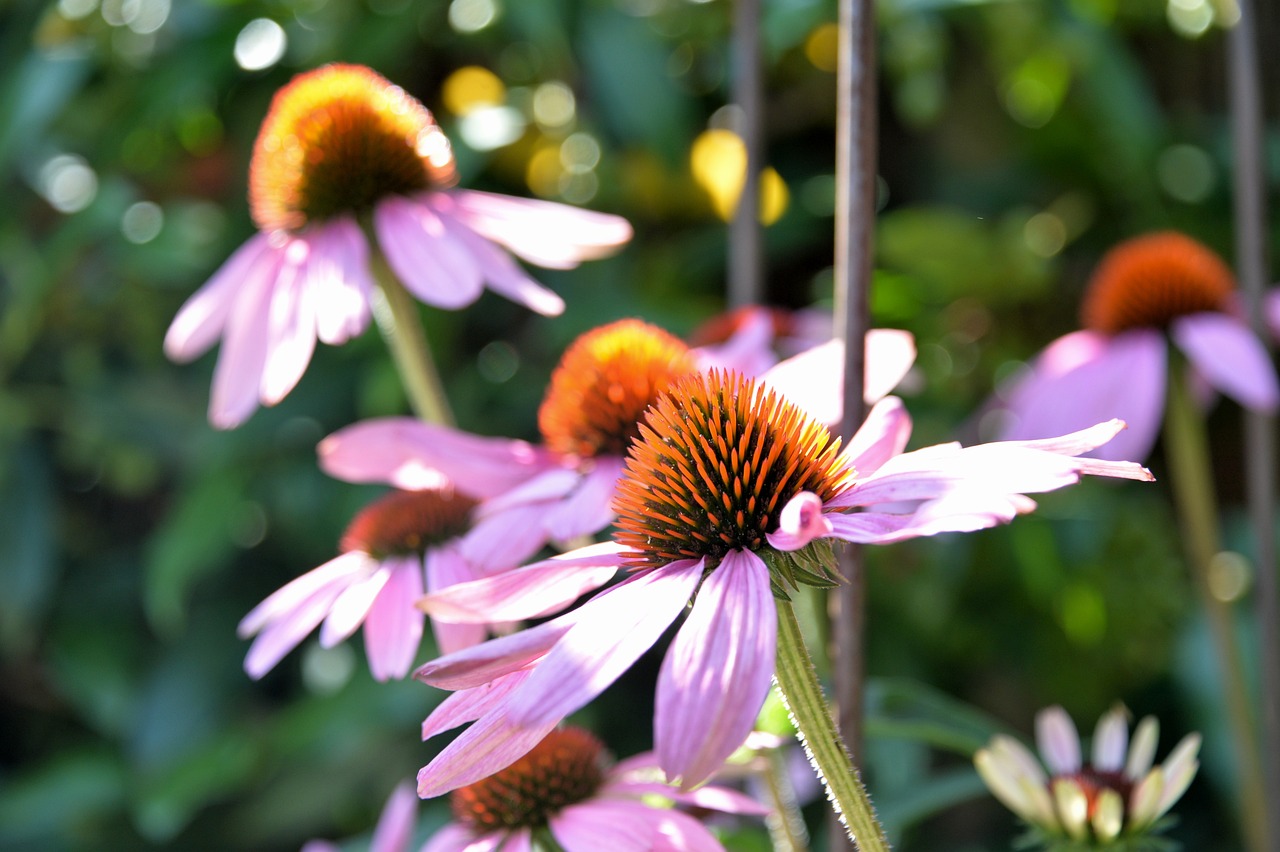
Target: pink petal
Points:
(717, 672)
(1083, 379)
(589, 508)
(339, 572)
(283, 635)
(599, 824)
(542, 232)
(482, 663)
(393, 628)
(502, 540)
(800, 522)
(710, 798)
(352, 607)
(1111, 741)
(518, 840)
(395, 825)
(529, 592)
(890, 352)
(962, 511)
(679, 832)
(337, 273)
(467, 705)
(493, 743)
(202, 318)
(409, 454)
(426, 254)
(503, 275)
(613, 630)
(292, 327)
(881, 436)
(1226, 352)
(446, 568)
(1057, 740)
(458, 838)
(551, 484)
(749, 350)
(242, 358)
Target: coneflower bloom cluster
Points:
(727, 499)
(342, 151)
(1114, 797)
(1144, 289)
(396, 549)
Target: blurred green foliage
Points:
(1019, 139)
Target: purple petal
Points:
(529, 592)
(542, 232)
(338, 572)
(458, 838)
(393, 628)
(710, 798)
(291, 328)
(503, 275)
(613, 630)
(337, 273)
(467, 705)
(242, 358)
(717, 672)
(493, 743)
(445, 568)
(410, 454)
(800, 522)
(482, 663)
(1083, 379)
(890, 352)
(352, 607)
(202, 318)
(881, 436)
(598, 824)
(283, 635)
(749, 350)
(1111, 741)
(679, 832)
(551, 484)
(962, 511)
(1057, 740)
(589, 508)
(425, 253)
(395, 825)
(1225, 351)
(502, 540)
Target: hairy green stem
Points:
(1187, 451)
(798, 683)
(397, 317)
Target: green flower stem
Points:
(1187, 452)
(786, 825)
(397, 316)
(798, 683)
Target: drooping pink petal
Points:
(800, 522)
(395, 825)
(238, 372)
(1058, 741)
(503, 275)
(482, 663)
(202, 318)
(1085, 378)
(502, 540)
(924, 475)
(553, 483)
(1225, 351)
(679, 832)
(467, 705)
(337, 273)
(446, 568)
(425, 254)
(960, 511)
(589, 508)
(717, 672)
(291, 325)
(598, 824)
(890, 353)
(393, 628)
(338, 572)
(542, 232)
(529, 592)
(613, 630)
(458, 838)
(283, 635)
(881, 436)
(493, 743)
(409, 454)
(352, 607)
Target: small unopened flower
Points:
(1144, 289)
(726, 500)
(1115, 796)
(340, 148)
(397, 548)
(567, 786)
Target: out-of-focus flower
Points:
(1114, 797)
(342, 148)
(397, 548)
(753, 338)
(394, 829)
(727, 493)
(1117, 366)
(566, 786)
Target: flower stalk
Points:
(798, 682)
(397, 318)
(1187, 451)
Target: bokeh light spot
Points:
(1045, 234)
(580, 153)
(1230, 576)
(553, 105)
(469, 16)
(260, 44)
(1084, 615)
(498, 362)
(487, 128)
(543, 172)
(74, 10)
(142, 222)
(472, 87)
(1186, 173)
(718, 160)
(1191, 18)
(822, 47)
(68, 183)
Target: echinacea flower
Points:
(1116, 795)
(1150, 286)
(726, 500)
(341, 150)
(395, 549)
(566, 786)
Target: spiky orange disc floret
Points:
(336, 140)
(565, 768)
(717, 460)
(405, 522)
(604, 383)
(1148, 281)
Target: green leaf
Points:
(28, 570)
(901, 707)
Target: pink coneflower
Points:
(397, 548)
(343, 149)
(728, 499)
(1117, 366)
(1114, 797)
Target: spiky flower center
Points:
(604, 383)
(717, 460)
(336, 140)
(408, 522)
(1149, 281)
(565, 768)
